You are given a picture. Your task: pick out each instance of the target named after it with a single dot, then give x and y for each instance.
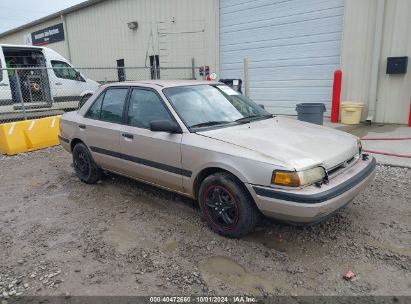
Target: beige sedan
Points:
(208, 142)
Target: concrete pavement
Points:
(379, 130)
(402, 147)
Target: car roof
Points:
(162, 83)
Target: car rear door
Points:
(154, 157)
(102, 125)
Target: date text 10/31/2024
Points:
(203, 299)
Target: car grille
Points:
(342, 167)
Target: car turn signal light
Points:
(298, 178)
(286, 178)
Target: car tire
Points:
(227, 206)
(84, 165)
(83, 100)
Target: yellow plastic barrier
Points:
(29, 135)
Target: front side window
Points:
(145, 106)
(209, 105)
(63, 70)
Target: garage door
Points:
(293, 48)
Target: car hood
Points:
(298, 144)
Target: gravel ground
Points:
(59, 236)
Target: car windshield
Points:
(213, 105)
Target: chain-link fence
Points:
(34, 92)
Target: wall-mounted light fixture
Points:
(132, 25)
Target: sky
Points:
(14, 13)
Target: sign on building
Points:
(51, 34)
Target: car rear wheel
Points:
(84, 165)
(227, 206)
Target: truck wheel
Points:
(84, 165)
(227, 206)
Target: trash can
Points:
(235, 84)
(311, 112)
(351, 113)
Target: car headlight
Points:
(298, 178)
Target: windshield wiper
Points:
(248, 119)
(210, 123)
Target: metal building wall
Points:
(98, 35)
(392, 93)
(177, 30)
(293, 48)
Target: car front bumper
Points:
(312, 204)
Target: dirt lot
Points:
(119, 237)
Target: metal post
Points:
(20, 95)
(155, 67)
(246, 81)
(376, 56)
(204, 73)
(336, 99)
(193, 69)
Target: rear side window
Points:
(95, 110)
(109, 106)
(113, 105)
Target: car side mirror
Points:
(262, 106)
(164, 126)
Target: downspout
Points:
(376, 56)
(66, 36)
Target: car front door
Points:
(154, 157)
(102, 125)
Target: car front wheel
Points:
(227, 206)
(84, 165)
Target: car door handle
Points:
(82, 127)
(128, 135)
(4, 85)
(58, 83)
